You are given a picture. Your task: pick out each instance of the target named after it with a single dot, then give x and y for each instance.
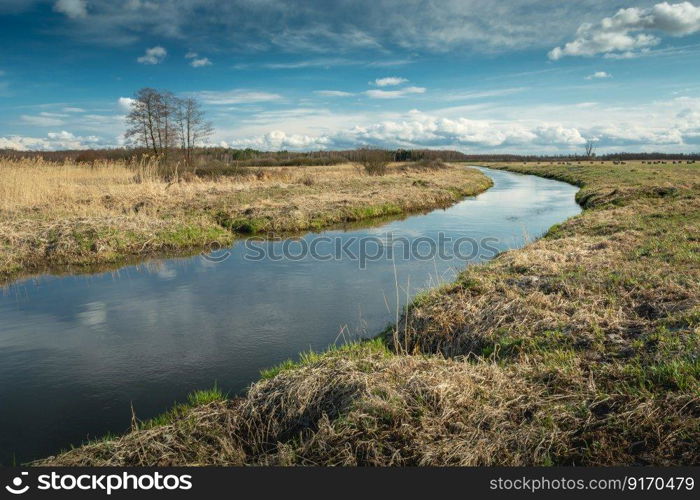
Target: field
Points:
(581, 348)
(56, 215)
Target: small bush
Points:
(374, 161)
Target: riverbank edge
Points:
(216, 229)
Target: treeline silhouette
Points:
(220, 157)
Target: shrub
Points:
(374, 161)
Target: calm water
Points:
(77, 351)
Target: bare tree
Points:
(167, 110)
(161, 122)
(150, 120)
(192, 128)
(590, 148)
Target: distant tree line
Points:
(581, 157)
(254, 157)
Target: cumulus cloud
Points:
(125, 103)
(389, 81)
(625, 34)
(277, 140)
(672, 125)
(154, 55)
(432, 131)
(425, 130)
(52, 141)
(200, 61)
(394, 94)
(598, 75)
(333, 93)
(71, 8)
(196, 61)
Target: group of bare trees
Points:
(162, 122)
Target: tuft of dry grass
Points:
(58, 215)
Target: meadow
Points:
(578, 349)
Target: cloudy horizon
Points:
(521, 76)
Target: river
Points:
(78, 351)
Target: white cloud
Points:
(236, 96)
(677, 19)
(154, 55)
(333, 93)
(279, 140)
(598, 75)
(52, 141)
(389, 81)
(309, 27)
(623, 34)
(432, 131)
(394, 94)
(309, 63)
(672, 125)
(16, 142)
(71, 8)
(200, 61)
(42, 120)
(196, 61)
(72, 109)
(481, 94)
(418, 129)
(327, 63)
(125, 103)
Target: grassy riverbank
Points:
(581, 348)
(78, 215)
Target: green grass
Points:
(681, 374)
(242, 225)
(195, 399)
(352, 351)
(191, 235)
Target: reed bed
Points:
(55, 214)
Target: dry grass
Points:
(364, 406)
(396, 410)
(580, 349)
(55, 215)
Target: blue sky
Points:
(474, 75)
